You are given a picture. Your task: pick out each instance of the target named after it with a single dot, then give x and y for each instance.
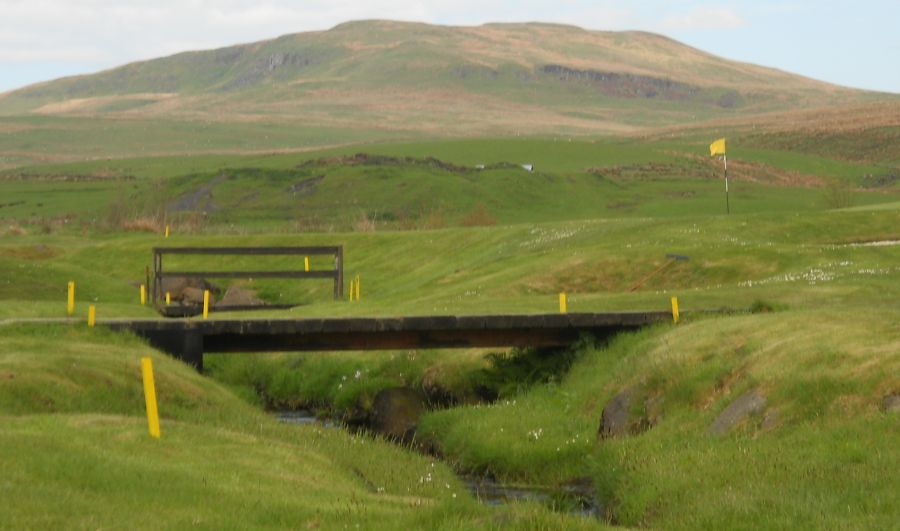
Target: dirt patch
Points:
(306, 187)
(31, 252)
(624, 85)
(239, 296)
(200, 199)
(365, 159)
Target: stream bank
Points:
(576, 497)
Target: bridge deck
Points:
(189, 339)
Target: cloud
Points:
(704, 19)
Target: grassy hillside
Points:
(76, 453)
(815, 455)
(504, 65)
(448, 183)
(381, 80)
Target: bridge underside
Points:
(188, 340)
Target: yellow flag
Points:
(717, 148)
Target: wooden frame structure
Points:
(337, 274)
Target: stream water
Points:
(575, 497)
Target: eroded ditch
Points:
(576, 496)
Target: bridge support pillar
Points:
(186, 345)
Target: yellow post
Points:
(205, 303)
(150, 397)
(306, 263)
(352, 289)
(168, 298)
(70, 300)
(562, 302)
(675, 309)
(143, 294)
(167, 231)
(92, 316)
(357, 287)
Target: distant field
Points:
(436, 184)
(795, 259)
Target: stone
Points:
(176, 287)
(770, 420)
(396, 411)
(743, 406)
(617, 420)
(891, 403)
(238, 296)
(194, 296)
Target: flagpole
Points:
(727, 206)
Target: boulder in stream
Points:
(395, 412)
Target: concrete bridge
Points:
(189, 339)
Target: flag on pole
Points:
(718, 148)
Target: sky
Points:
(850, 43)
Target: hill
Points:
(490, 79)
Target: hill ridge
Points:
(496, 78)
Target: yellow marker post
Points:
(92, 316)
(675, 309)
(168, 298)
(167, 231)
(352, 289)
(150, 397)
(306, 263)
(357, 287)
(205, 303)
(562, 302)
(70, 300)
(143, 294)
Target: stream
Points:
(575, 497)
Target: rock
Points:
(194, 296)
(434, 388)
(237, 296)
(616, 417)
(891, 403)
(745, 405)
(618, 420)
(395, 412)
(175, 286)
(770, 420)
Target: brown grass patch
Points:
(143, 224)
(32, 252)
(479, 217)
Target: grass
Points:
(825, 448)
(822, 348)
(787, 259)
(77, 454)
(339, 190)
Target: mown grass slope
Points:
(77, 453)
